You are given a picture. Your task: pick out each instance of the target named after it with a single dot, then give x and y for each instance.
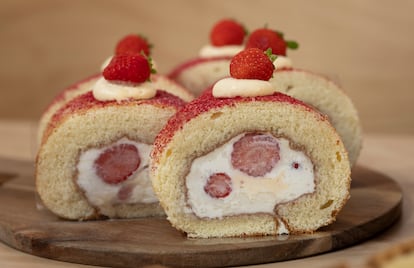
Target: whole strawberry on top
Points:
(226, 39)
(265, 38)
(132, 64)
(250, 71)
(130, 44)
(126, 76)
(227, 32)
(132, 75)
(252, 63)
(133, 44)
(135, 68)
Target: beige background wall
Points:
(367, 45)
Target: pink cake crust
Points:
(61, 95)
(192, 62)
(87, 101)
(207, 102)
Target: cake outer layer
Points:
(85, 85)
(207, 123)
(86, 123)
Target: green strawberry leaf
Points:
(271, 56)
(292, 44)
(151, 64)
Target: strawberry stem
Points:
(289, 43)
(269, 53)
(152, 69)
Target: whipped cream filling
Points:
(208, 51)
(103, 195)
(232, 87)
(282, 62)
(249, 194)
(105, 90)
(281, 228)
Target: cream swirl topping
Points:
(282, 62)
(118, 90)
(232, 87)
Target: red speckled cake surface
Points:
(87, 101)
(207, 102)
(61, 96)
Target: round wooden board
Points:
(375, 204)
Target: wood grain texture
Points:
(375, 204)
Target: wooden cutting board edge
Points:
(60, 250)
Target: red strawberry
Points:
(133, 44)
(117, 163)
(266, 38)
(227, 32)
(125, 192)
(255, 154)
(251, 63)
(218, 185)
(128, 68)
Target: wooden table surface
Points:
(392, 155)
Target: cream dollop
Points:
(282, 62)
(232, 87)
(214, 51)
(105, 90)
